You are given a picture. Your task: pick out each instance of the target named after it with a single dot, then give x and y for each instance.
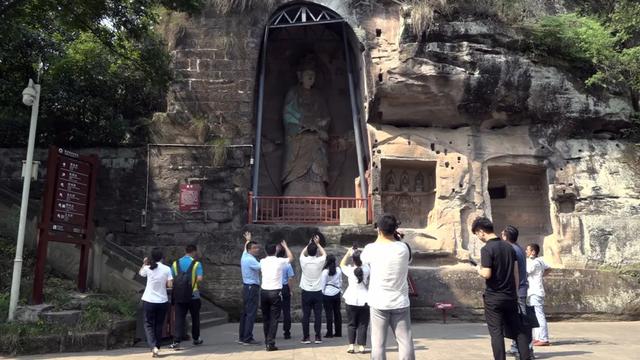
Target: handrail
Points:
(267, 209)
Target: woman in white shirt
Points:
(331, 280)
(356, 299)
(155, 300)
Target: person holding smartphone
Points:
(312, 260)
(356, 297)
(155, 301)
(388, 259)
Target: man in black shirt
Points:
(498, 265)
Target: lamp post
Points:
(30, 97)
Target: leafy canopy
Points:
(105, 70)
(606, 42)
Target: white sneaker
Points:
(350, 349)
(154, 352)
(361, 349)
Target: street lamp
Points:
(30, 97)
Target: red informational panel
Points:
(189, 197)
(67, 213)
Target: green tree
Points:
(604, 46)
(105, 70)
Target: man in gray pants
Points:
(389, 259)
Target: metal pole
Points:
(256, 166)
(354, 115)
(26, 185)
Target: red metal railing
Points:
(302, 209)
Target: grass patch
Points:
(99, 311)
(11, 333)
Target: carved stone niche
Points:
(408, 190)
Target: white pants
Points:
(541, 333)
(399, 320)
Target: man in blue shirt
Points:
(250, 268)
(180, 266)
(287, 285)
(510, 235)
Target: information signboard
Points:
(189, 197)
(67, 214)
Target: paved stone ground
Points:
(459, 341)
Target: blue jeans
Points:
(250, 299)
(154, 316)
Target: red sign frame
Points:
(189, 197)
(67, 211)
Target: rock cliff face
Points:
(475, 73)
(460, 122)
(511, 137)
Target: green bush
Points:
(590, 43)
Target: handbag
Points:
(529, 318)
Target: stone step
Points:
(66, 317)
(210, 315)
(211, 322)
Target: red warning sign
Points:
(189, 197)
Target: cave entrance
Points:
(309, 138)
(519, 197)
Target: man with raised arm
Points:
(312, 261)
(250, 268)
(272, 268)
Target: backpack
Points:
(184, 283)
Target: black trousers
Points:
(193, 308)
(311, 300)
(333, 315)
(503, 318)
(250, 299)
(358, 324)
(271, 304)
(286, 310)
(154, 316)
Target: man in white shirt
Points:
(388, 300)
(312, 261)
(272, 268)
(536, 269)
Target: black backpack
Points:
(183, 283)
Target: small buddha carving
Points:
(390, 181)
(419, 182)
(405, 183)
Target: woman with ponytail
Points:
(155, 300)
(331, 280)
(356, 299)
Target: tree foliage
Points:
(105, 70)
(607, 43)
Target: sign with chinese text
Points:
(189, 197)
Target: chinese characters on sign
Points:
(71, 199)
(67, 213)
(189, 197)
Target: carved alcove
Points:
(408, 190)
(519, 197)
